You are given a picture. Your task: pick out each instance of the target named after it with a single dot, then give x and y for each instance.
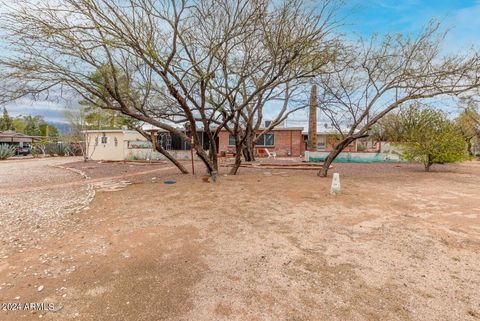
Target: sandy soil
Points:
(397, 244)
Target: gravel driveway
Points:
(30, 214)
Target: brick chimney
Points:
(312, 121)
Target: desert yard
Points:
(113, 242)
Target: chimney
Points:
(312, 121)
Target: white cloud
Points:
(465, 24)
(51, 111)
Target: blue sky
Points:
(462, 17)
(362, 18)
(367, 17)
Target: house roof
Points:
(93, 131)
(162, 130)
(14, 137)
(324, 132)
(284, 128)
(328, 130)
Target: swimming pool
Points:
(354, 157)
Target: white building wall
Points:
(118, 147)
(111, 149)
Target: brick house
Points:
(284, 141)
(119, 144)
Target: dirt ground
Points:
(397, 244)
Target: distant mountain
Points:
(63, 128)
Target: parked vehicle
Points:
(25, 150)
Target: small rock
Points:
(126, 254)
(40, 288)
(17, 298)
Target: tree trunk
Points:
(469, 147)
(212, 150)
(83, 150)
(238, 160)
(248, 149)
(427, 166)
(214, 158)
(331, 157)
(171, 159)
(248, 153)
(159, 148)
(206, 160)
(428, 163)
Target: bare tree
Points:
(163, 62)
(78, 126)
(375, 77)
(248, 126)
(272, 63)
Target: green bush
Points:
(35, 151)
(429, 137)
(62, 150)
(6, 151)
(132, 157)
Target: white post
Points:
(335, 189)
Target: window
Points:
(263, 140)
(321, 142)
(165, 140)
(104, 139)
(266, 140)
(178, 143)
(116, 141)
(231, 140)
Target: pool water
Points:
(363, 158)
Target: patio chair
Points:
(271, 154)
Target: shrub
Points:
(75, 149)
(132, 157)
(35, 151)
(431, 138)
(62, 150)
(6, 151)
